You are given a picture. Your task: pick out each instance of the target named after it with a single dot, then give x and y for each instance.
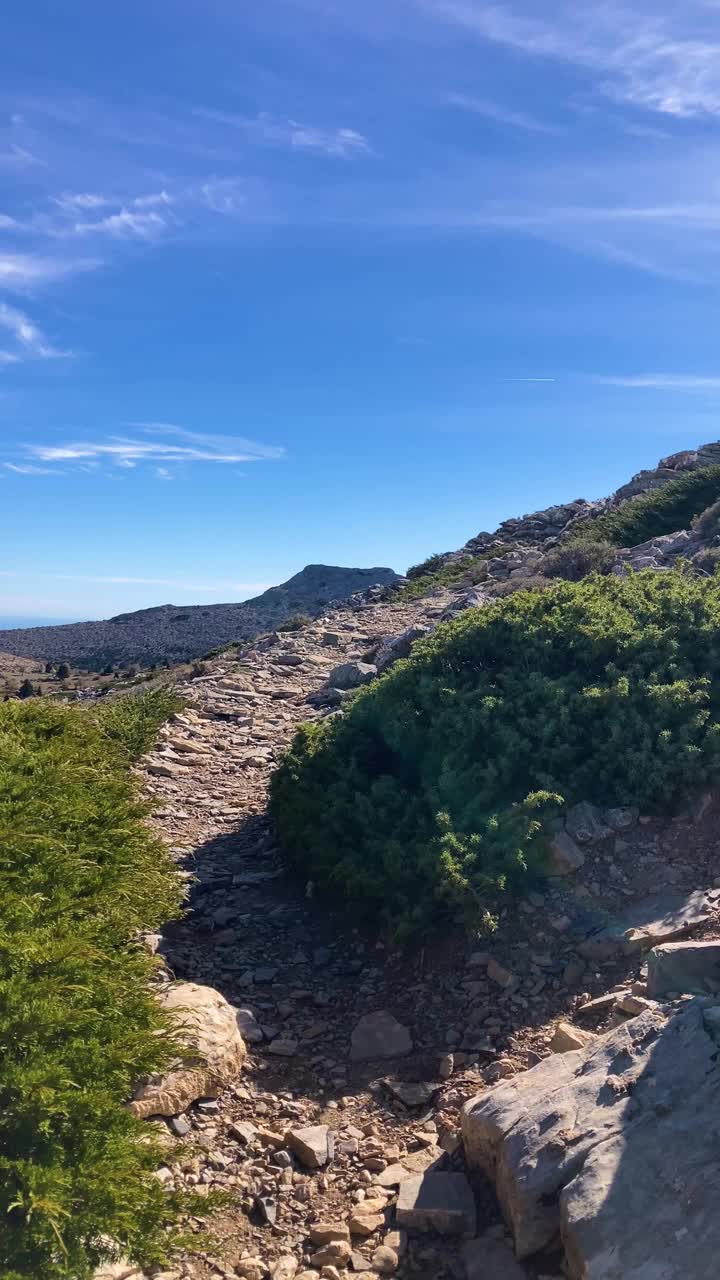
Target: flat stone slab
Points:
(689, 968)
(659, 918)
(613, 1148)
(441, 1202)
(379, 1035)
(312, 1145)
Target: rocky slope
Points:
(340, 1142)
(179, 633)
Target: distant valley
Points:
(177, 633)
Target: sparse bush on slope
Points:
(426, 797)
(660, 511)
(81, 873)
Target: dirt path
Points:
(256, 934)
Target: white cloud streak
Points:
(683, 382)
(501, 115)
(31, 341)
(661, 57)
(163, 453)
(270, 130)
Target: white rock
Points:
(208, 1028)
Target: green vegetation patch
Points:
(81, 874)
(660, 511)
(426, 799)
(465, 572)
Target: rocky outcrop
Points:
(207, 1029)
(179, 633)
(612, 1149)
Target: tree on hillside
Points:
(63, 671)
(49, 668)
(27, 689)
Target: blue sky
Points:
(317, 281)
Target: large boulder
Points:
(691, 968)
(613, 1149)
(214, 1051)
(351, 675)
(399, 646)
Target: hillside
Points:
(178, 633)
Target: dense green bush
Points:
(707, 524)
(133, 719)
(81, 874)
(426, 795)
(576, 559)
(660, 511)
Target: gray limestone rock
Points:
(379, 1035)
(441, 1202)
(686, 967)
(614, 1149)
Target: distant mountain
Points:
(181, 632)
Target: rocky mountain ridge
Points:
(179, 633)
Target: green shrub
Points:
(426, 795)
(707, 524)
(133, 719)
(456, 573)
(430, 565)
(295, 622)
(574, 560)
(81, 875)
(660, 511)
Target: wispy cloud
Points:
(500, 114)
(129, 452)
(21, 272)
(31, 341)
(662, 381)
(126, 222)
(271, 130)
(661, 57)
(27, 469)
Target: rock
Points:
(399, 647)
(686, 967)
(446, 1066)
(282, 1048)
(118, 1271)
(285, 1268)
(208, 1029)
(584, 823)
(602, 1003)
(582, 1141)
(250, 1028)
(499, 975)
(367, 1218)
(393, 1175)
(326, 1232)
(567, 1038)
(179, 1126)
(633, 1004)
(379, 1035)
(488, 1259)
(620, 819)
(351, 675)
(332, 639)
(337, 1252)
(659, 918)
(312, 1145)
(565, 858)
(385, 1260)
(413, 1095)
(242, 1131)
(441, 1202)
(251, 1269)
